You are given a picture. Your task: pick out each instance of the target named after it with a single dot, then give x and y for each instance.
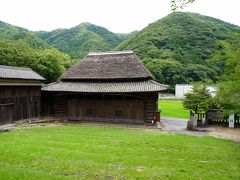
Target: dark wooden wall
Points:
(129, 108)
(19, 102)
(150, 108)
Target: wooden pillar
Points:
(95, 106)
(113, 107)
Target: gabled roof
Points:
(108, 66)
(105, 87)
(9, 72)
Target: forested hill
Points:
(14, 33)
(22, 48)
(184, 47)
(48, 53)
(179, 48)
(81, 39)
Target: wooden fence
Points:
(223, 121)
(215, 117)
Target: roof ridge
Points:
(155, 82)
(45, 85)
(109, 53)
(16, 68)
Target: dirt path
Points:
(177, 125)
(225, 133)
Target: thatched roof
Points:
(105, 87)
(108, 66)
(9, 72)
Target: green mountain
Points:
(184, 47)
(22, 48)
(124, 36)
(179, 48)
(14, 33)
(81, 39)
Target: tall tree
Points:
(198, 99)
(50, 63)
(229, 87)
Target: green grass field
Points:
(173, 108)
(88, 152)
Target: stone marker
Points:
(231, 121)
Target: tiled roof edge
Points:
(15, 68)
(109, 53)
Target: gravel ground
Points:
(178, 126)
(225, 133)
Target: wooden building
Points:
(110, 87)
(20, 94)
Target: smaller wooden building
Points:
(108, 86)
(20, 94)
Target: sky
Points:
(120, 16)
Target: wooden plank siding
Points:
(150, 109)
(6, 114)
(108, 109)
(19, 102)
(126, 108)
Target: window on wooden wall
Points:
(118, 113)
(90, 113)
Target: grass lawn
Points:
(88, 152)
(173, 108)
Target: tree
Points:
(50, 63)
(198, 99)
(198, 72)
(167, 71)
(180, 4)
(229, 87)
